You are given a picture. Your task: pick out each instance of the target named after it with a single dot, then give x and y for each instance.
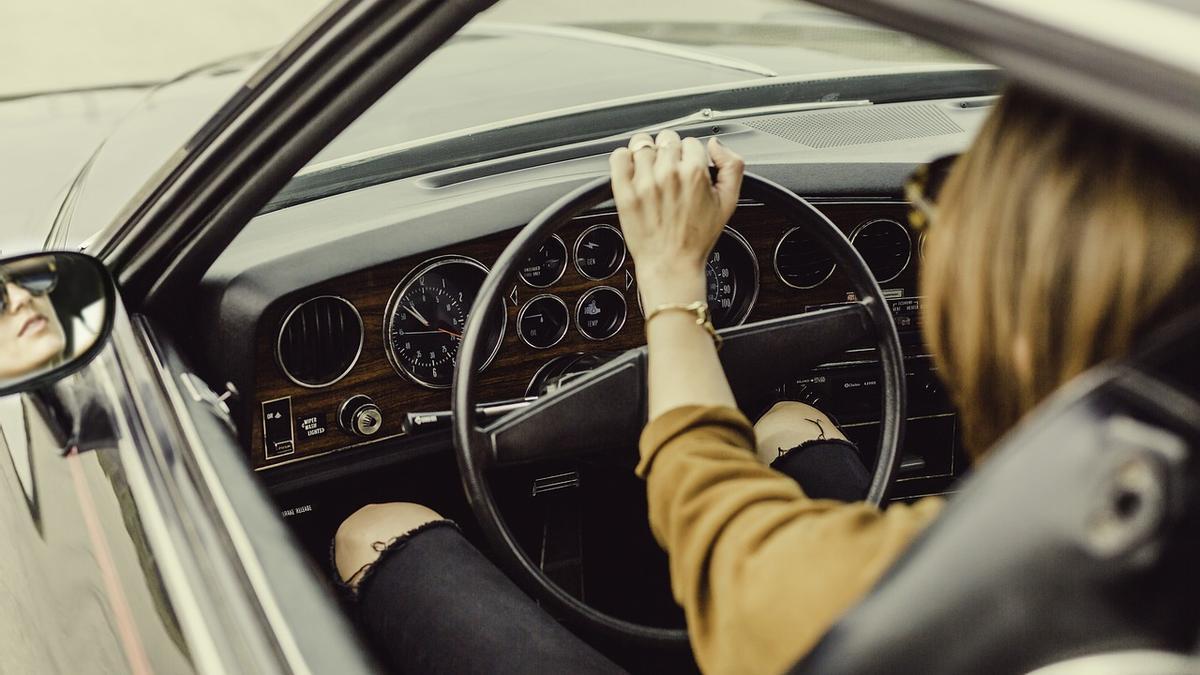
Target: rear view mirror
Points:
(56, 311)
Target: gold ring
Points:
(643, 145)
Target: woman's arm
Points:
(672, 214)
(760, 569)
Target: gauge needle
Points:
(415, 313)
(450, 332)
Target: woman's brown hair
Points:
(1059, 241)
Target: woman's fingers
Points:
(668, 151)
(620, 164)
(693, 154)
(643, 149)
(730, 168)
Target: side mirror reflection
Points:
(56, 311)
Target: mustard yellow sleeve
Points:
(761, 570)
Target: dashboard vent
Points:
(320, 341)
(858, 126)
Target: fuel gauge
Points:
(547, 264)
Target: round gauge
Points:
(426, 315)
(885, 246)
(731, 276)
(599, 252)
(547, 264)
(600, 313)
(542, 322)
(801, 261)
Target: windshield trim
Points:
(611, 39)
(616, 104)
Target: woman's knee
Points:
(788, 424)
(362, 537)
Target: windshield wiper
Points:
(705, 115)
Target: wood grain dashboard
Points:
(312, 412)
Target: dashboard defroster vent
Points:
(319, 341)
(858, 126)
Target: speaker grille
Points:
(319, 341)
(858, 126)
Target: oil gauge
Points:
(542, 322)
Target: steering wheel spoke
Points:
(751, 353)
(602, 410)
(605, 410)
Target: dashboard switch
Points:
(279, 437)
(358, 415)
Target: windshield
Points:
(525, 58)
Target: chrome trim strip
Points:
(256, 573)
(575, 251)
(353, 362)
(177, 579)
(561, 271)
(566, 315)
(617, 40)
(590, 293)
(420, 270)
(368, 155)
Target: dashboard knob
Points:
(358, 415)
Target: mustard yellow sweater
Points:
(761, 570)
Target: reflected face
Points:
(31, 337)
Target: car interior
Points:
(347, 376)
(338, 313)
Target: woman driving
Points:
(1047, 253)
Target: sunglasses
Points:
(922, 189)
(36, 280)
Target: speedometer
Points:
(426, 315)
(731, 279)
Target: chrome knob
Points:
(358, 415)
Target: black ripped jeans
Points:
(433, 604)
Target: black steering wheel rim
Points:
(472, 446)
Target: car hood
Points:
(494, 72)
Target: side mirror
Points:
(56, 312)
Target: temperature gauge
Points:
(600, 313)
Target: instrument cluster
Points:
(383, 342)
(427, 311)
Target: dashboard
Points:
(337, 320)
(351, 362)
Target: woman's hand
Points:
(672, 212)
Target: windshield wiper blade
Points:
(704, 115)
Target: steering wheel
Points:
(606, 408)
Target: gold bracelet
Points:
(699, 308)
